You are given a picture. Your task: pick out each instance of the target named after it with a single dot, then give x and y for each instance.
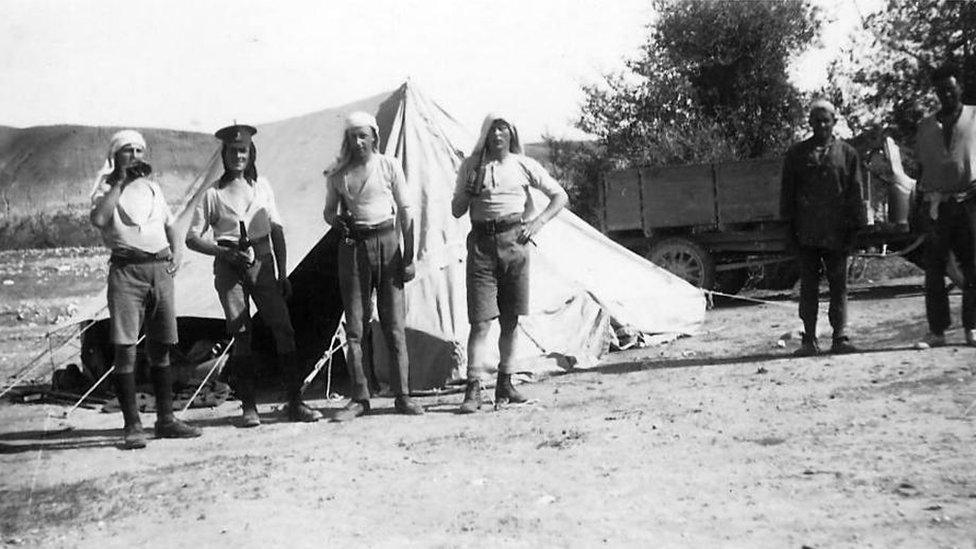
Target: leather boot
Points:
(405, 405)
(296, 409)
(352, 410)
(472, 398)
(506, 392)
(249, 406)
(244, 374)
(133, 436)
(167, 426)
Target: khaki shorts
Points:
(141, 293)
(497, 275)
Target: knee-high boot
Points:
(245, 388)
(167, 426)
(125, 389)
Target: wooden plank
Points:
(748, 190)
(676, 196)
(623, 204)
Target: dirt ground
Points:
(717, 440)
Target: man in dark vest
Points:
(946, 146)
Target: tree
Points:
(710, 84)
(882, 80)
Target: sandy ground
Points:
(720, 440)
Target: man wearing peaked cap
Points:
(493, 186)
(130, 211)
(365, 194)
(250, 262)
(236, 134)
(821, 198)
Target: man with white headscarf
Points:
(130, 211)
(821, 198)
(493, 187)
(250, 262)
(366, 194)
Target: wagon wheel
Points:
(684, 258)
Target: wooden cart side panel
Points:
(622, 210)
(748, 191)
(676, 196)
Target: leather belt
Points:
(128, 256)
(491, 227)
(360, 232)
(266, 239)
(261, 246)
(963, 196)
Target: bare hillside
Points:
(46, 174)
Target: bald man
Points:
(821, 197)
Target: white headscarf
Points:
(358, 119)
(119, 139)
(515, 146)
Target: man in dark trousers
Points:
(946, 146)
(240, 198)
(821, 197)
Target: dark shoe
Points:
(472, 398)
(174, 428)
(506, 392)
(807, 348)
(406, 406)
(250, 417)
(931, 340)
(843, 347)
(245, 390)
(133, 437)
(352, 410)
(299, 411)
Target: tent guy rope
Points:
(217, 363)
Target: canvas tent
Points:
(580, 279)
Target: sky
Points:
(199, 65)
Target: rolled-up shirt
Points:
(378, 199)
(140, 218)
(216, 213)
(503, 186)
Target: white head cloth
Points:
(358, 119)
(119, 139)
(515, 146)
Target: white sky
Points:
(198, 64)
